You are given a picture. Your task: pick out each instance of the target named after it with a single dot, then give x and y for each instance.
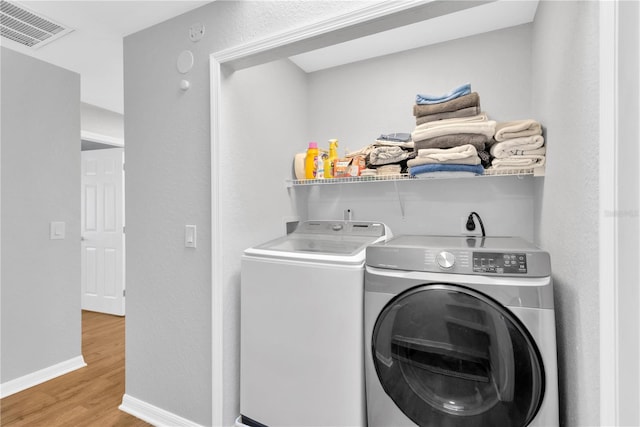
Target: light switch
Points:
(190, 236)
(57, 230)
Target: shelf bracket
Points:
(400, 203)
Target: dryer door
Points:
(450, 356)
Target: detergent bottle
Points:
(311, 161)
(329, 162)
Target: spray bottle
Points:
(329, 162)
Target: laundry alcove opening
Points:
(265, 108)
(265, 104)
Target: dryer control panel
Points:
(489, 256)
(500, 262)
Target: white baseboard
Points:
(26, 381)
(152, 414)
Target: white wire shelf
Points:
(406, 177)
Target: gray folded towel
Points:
(465, 112)
(453, 140)
(386, 155)
(466, 101)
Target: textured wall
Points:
(260, 131)
(100, 121)
(168, 186)
(565, 97)
(40, 183)
(357, 102)
(627, 215)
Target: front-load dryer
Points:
(460, 332)
(301, 346)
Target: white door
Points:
(103, 231)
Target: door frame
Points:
(115, 143)
(608, 223)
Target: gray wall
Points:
(258, 130)
(168, 185)
(40, 308)
(627, 215)
(100, 121)
(357, 102)
(565, 98)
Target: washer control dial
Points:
(445, 260)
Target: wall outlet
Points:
(463, 227)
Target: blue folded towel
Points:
(464, 89)
(445, 167)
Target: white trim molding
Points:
(217, 291)
(103, 139)
(348, 20)
(38, 377)
(638, 302)
(152, 414)
(608, 223)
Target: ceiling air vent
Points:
(26, 27)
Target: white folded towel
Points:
(482, 117)
(517, 146)
(518, 162)
(389, 170)
(464, 154)
(516, 129)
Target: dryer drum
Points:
(448, 355)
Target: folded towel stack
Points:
(454, 137)
(450, 129)
(519, 144)
(460, 104)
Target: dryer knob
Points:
(445, 260)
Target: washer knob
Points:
(445, 260)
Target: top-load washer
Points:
(460, 332)
(301, 357)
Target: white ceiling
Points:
(94, 48)
(479, 19)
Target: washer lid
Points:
(331, 241)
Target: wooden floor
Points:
(87, 397)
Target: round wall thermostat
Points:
(185, 61)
